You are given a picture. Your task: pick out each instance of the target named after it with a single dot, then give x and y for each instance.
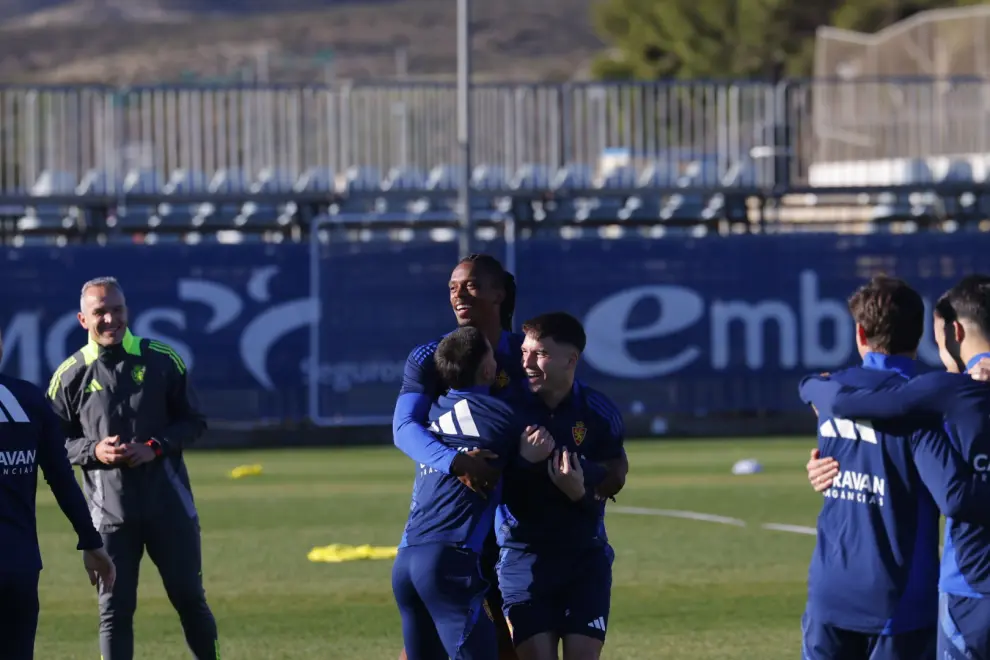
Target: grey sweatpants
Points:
(174, 546)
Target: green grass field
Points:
(683, 588)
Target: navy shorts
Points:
(441, 597)
(963, 628)
(822, 641)
(566, 593)
(18, 615)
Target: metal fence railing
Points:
(135, 139)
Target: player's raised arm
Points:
(420, 384)
(959, 489)
(818, 392)
(921, 395)
(412, 410)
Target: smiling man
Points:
(482, 295)
(127, 411)
(555, 572)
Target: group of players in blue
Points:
(505, 554)
(898, 445)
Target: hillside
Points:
(149, 41)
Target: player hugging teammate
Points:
(534, 377)
(876, 590)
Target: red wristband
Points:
(155, 445)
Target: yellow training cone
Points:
(339, 552)
(245, 471)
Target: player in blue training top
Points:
(962, 323)
(873, 578)
(437, 577)
(483, 296)
(555, 569)
(31, 437)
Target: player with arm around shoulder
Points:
(962, 325)
(873, 576)
(31, 437)
(437, 577)
(482, 295)
(555, 568)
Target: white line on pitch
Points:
(707, 517)
(795, 529)
(669, 513)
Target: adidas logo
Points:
(93, 387)
(598, 624)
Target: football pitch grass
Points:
(683, 587)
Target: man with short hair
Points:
(555, 572)
(437, 577)
(31, 436)
(128, 411)
(872, 581)
(962, 332)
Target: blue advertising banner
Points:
(675, 327)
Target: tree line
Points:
(738, 39)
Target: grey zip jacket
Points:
(137, 390)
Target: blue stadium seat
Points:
(604, 206)
(47, 221)
(54, 182)
(646, 204)
(229, 180)
(962, 207)
(530, 176)
(441, 178)
(316, 179)
(485, 181)
(566, 180)
(272, 179)
(621, 177)
(690, 205)
(224, 181)
(182, 181)
(361, 179)
(444, 177)
(572, 177)
(44, 216)
(258, 214)
(740, 174)
(402, 179)
(907, 206)
(99, 182)
(142, 180)
(489, 177)
(138, 217)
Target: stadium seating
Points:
(674, 193)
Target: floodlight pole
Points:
(464, 124)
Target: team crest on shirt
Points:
(578, 431)
(502, 379)
(137, 373)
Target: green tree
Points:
(718, 39)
